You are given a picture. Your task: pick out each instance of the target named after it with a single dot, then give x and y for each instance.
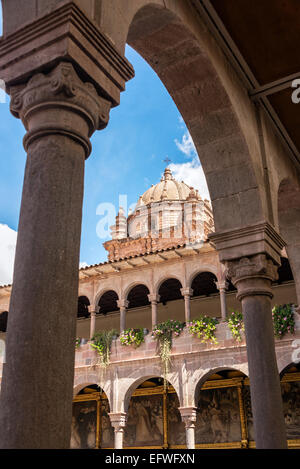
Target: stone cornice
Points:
(249, 241)
(65, 34)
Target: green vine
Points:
(236, 324)
(102, 343)
(132, 337)
(163, 333)
(204, 328)
(283, 320)
(77, 342)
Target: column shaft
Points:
(265, 389)
(59, 112)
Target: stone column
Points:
(187, 293)
(123, 305)
(60, 113)
(154, 300)
(222, 287)
(253, 277)
(188, 416)
(118, 421)
(93, 312)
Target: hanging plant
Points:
(102, 343)
(133, 337)
(283, 320)
(77, 342)
(204, 328)
(163, 333)
(236, 324)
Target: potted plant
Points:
(283, 320)
(204, 328)
(133, 337)
(236, 324)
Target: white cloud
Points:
(191, 172)
(187, 146)
(8, 240)
(193, 175)
(82, 265)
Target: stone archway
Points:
(289, 224)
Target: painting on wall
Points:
(84, 424)
(144, 425)
(176, 428)
(107, 431)
(291, 408)
(218, 416)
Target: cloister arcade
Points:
(218, 414)
(64, 66)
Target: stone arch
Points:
(83, 304)
(169, 290)
(127, 289)
(128, 386)
(104, 290)
(289, 224)
(164, 278)
(108, 302)
(138, 296)
(198, 270)
(201, 375)
(209, 278)
(89, 379)
(211, 100)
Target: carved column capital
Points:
(153, 298)
(93, 309)
(122, 304)
(59, 103)
(118, 420)
(252, 275)
(222, 285)
(188, 416)
(186, 291)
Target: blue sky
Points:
(127, 158)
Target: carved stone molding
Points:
(60, 103)
(65, 33)
(252, 275)
(153, 298)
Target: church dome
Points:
(167, 189)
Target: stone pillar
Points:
(188, 416)
(123, 305)
(60, 112)
(93, 312)
(118, 421)
(154, 300)
(253, 277)
(187, 293)
(222, 287)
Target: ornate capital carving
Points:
(122, 304)
(188, 416)
(60, 103)
(252, 275)
(186, 291)
(222, 285)
(118, 420)
(153, 298)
